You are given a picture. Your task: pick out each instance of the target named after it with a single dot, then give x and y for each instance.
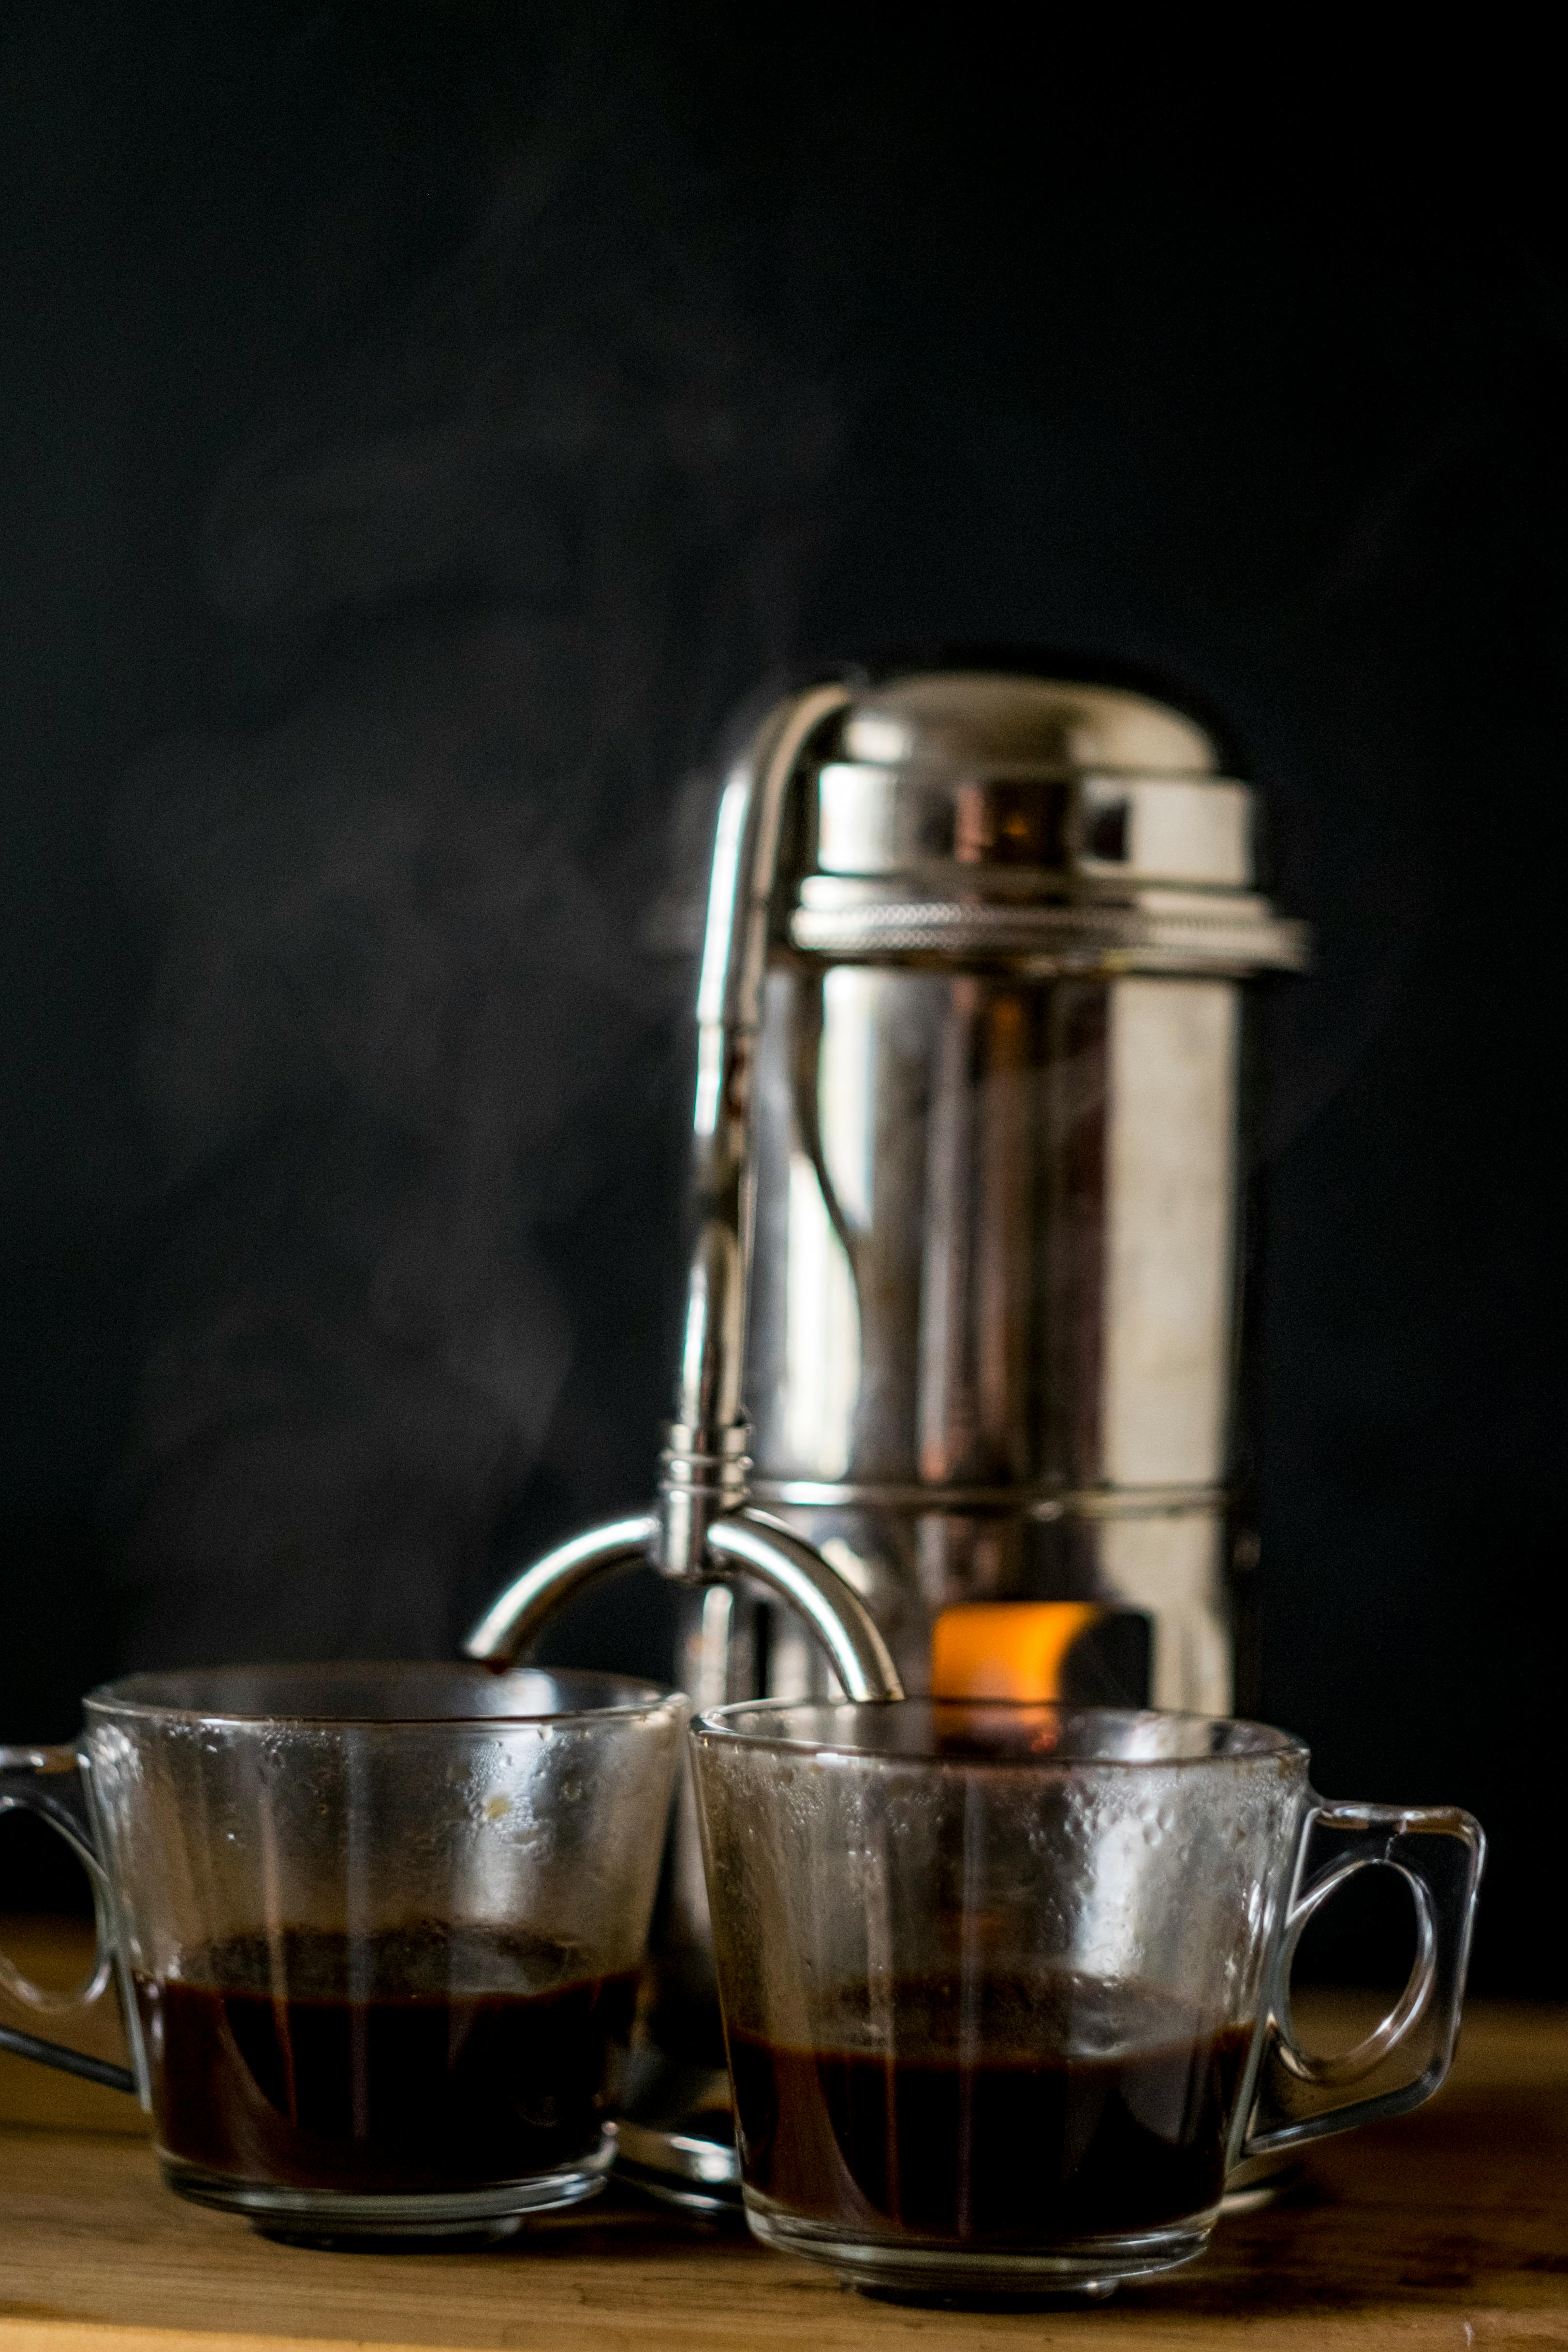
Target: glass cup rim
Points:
(136, 1696)
(716, 1725)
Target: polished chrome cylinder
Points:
(992, 1336)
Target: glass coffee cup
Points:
(1005, 1988)
(377, 1930)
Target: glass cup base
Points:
(930, 2271)
(332, 2219)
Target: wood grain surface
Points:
(1446, 2227)
(57, 1955)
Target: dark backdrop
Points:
(420, 424)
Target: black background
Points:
(1250, 368)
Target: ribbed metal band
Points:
(1075, 939)
(1034, 1503)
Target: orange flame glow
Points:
(1005, 1649)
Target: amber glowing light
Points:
(1005, 1649)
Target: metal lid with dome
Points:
(1047, 825)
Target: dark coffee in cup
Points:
(402, 2063)
(1043, 2098)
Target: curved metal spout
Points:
(702, 1531)
(703, 1470)
(775, 1555)
(756, 1545)
(517, 1612)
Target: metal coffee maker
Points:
(958, 1393)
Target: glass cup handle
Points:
(1439, 1853)
(25, 1777)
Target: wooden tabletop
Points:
(1447, 2228)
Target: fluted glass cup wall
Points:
(1005, 1988)
(378, 1929)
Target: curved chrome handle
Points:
(22, 1770)
(758, 1547)
(1440, 1852)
